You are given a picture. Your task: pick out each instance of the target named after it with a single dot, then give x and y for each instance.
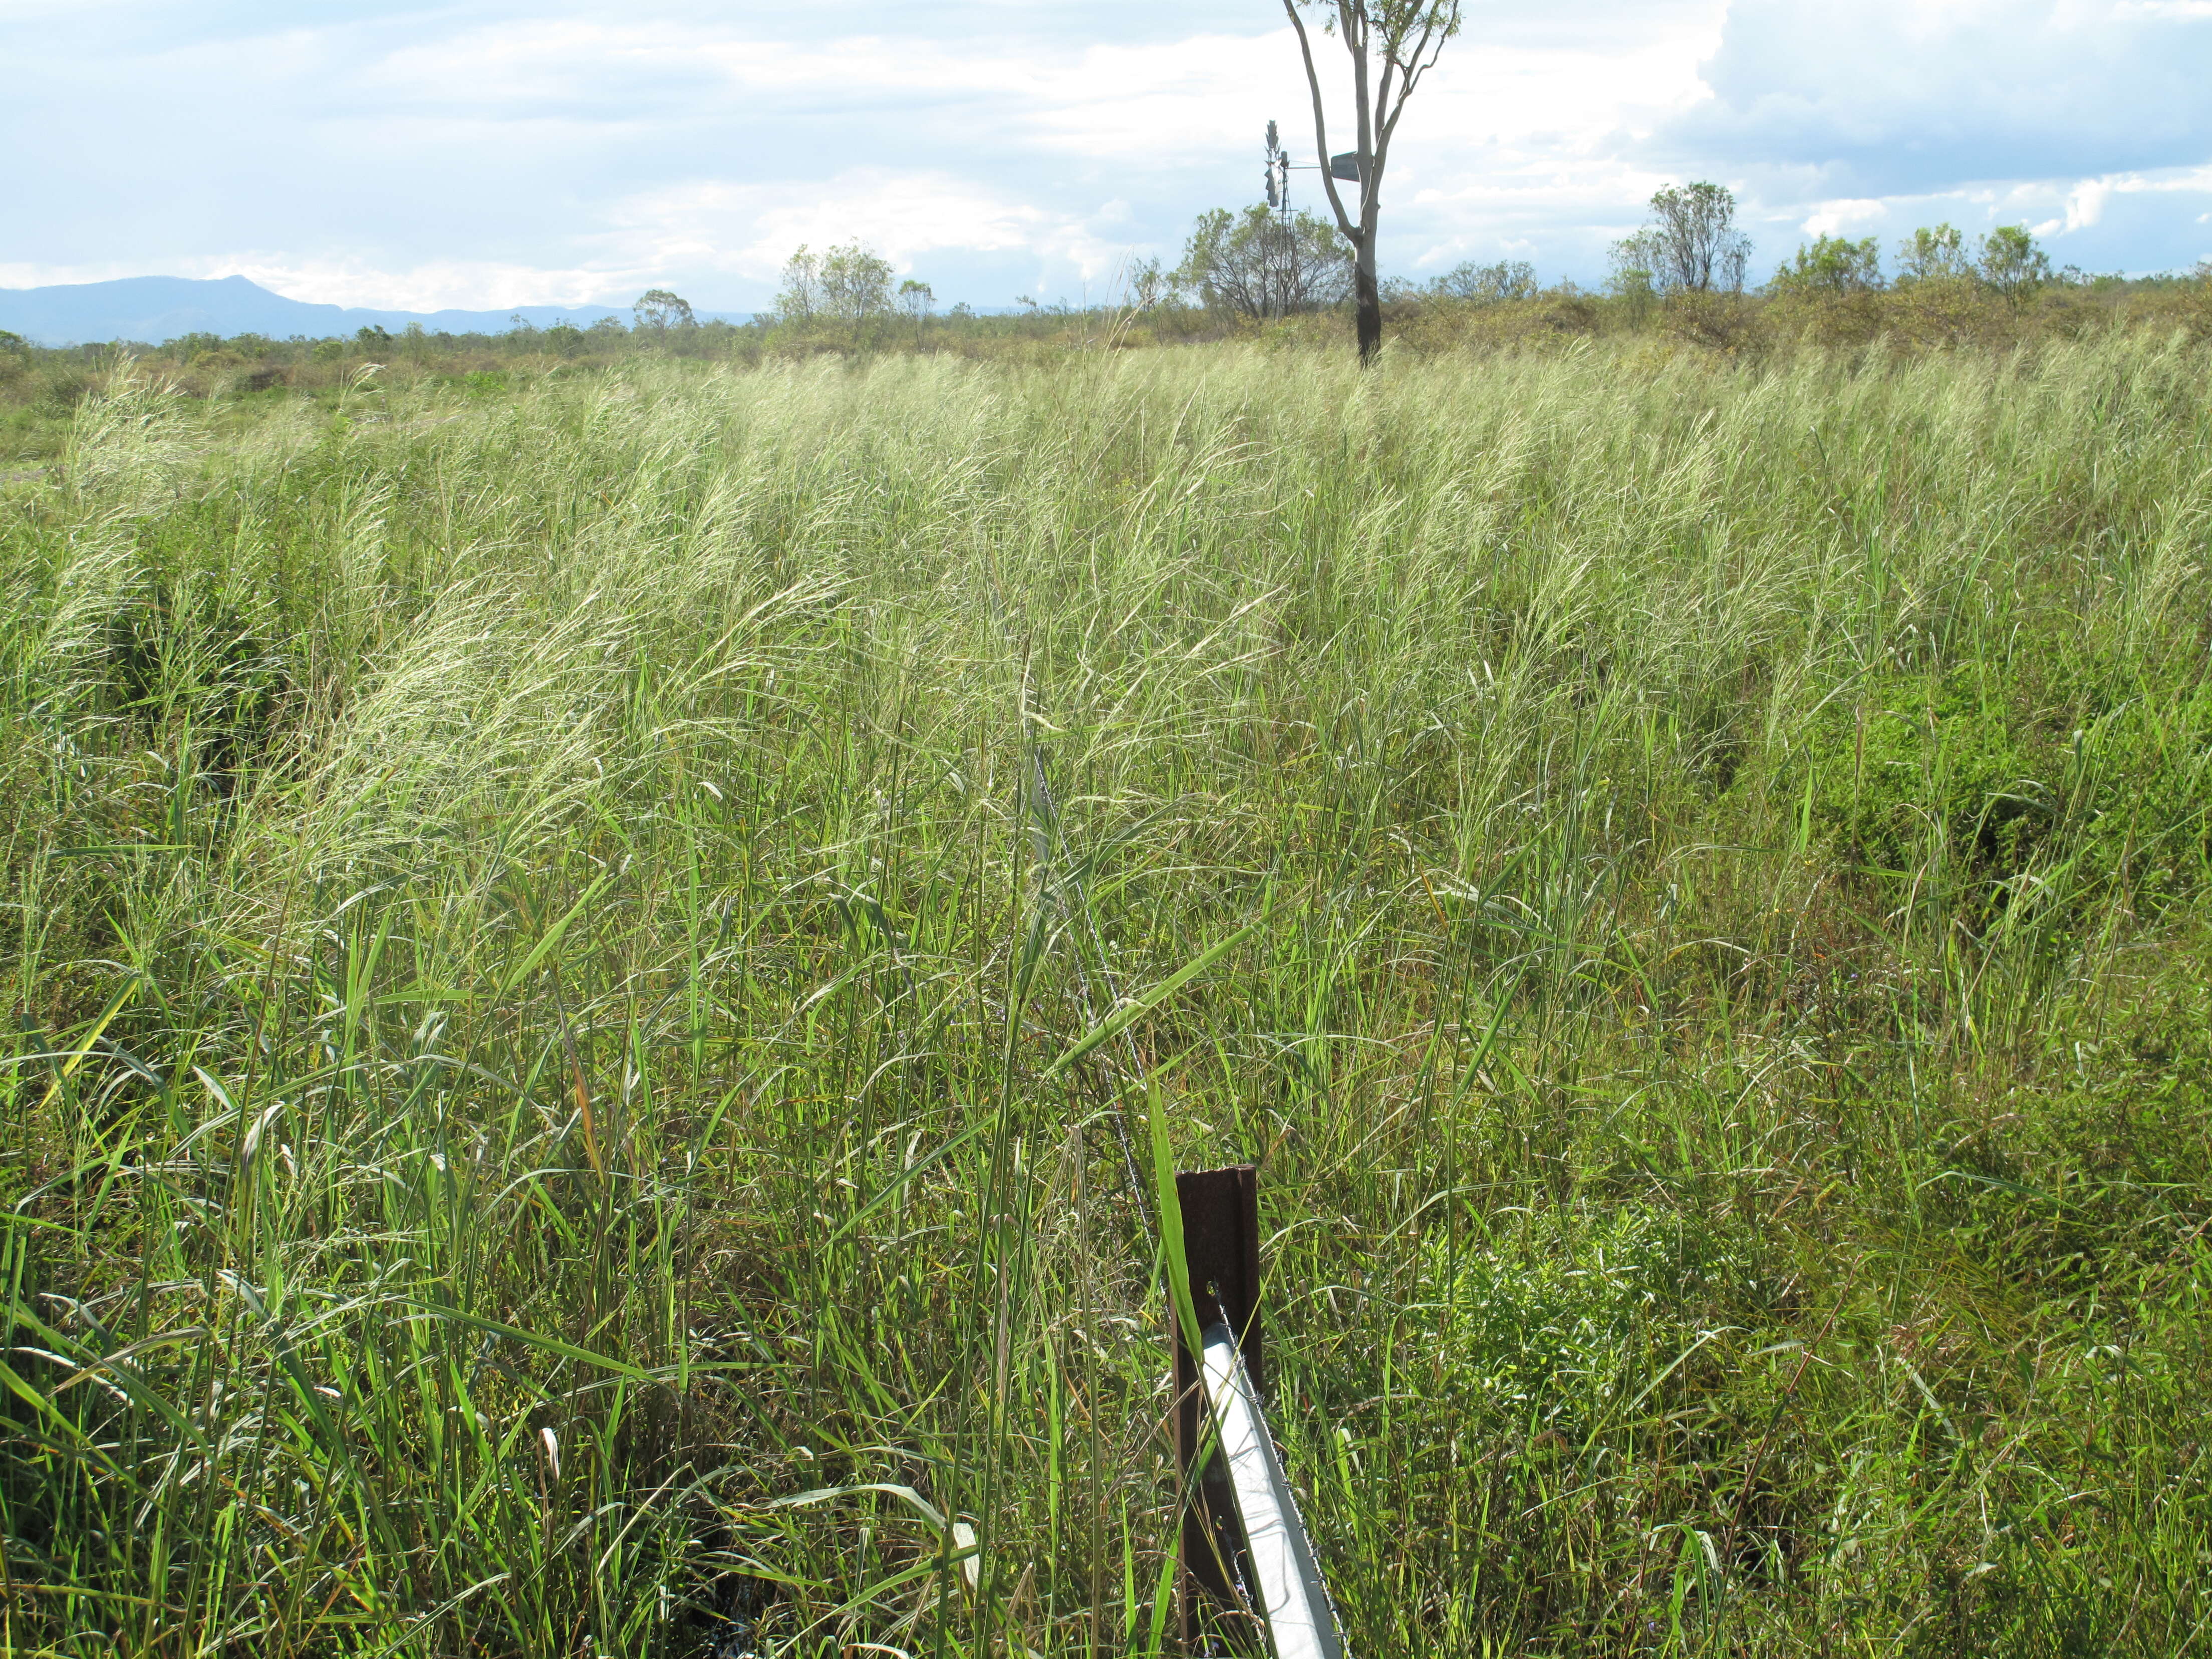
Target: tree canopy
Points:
(1261, 263)
(851, 284)
(1690, 244)
(658, 310)
(1831, 266)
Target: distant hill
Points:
(157, 308)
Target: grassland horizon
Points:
(542, 921)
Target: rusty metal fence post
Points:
(1247, 1574)
(1221, 1248)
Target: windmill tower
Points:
(1279, 174)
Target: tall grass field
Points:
(599, 979)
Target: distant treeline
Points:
(1268, 273)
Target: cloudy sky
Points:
(487, 153)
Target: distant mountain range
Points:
(153, 309)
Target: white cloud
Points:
(1144, 101)
(2167, 179)
(752, 229)
(1899, 95)
(2085, 203)
(1832, 218)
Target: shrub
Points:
(1931, 777)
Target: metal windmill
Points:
(1279, 173)
(1280, 167)
(1282, 280)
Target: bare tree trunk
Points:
(1413, 34)
(1367, 298)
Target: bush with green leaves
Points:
(1958, 779)
(1832, 267)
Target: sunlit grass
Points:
(540, 933)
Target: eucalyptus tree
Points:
(849, 285)
(658, 310)
(1393, 45)
(2012, 266)
(1690, 244)
(916, 299)
(1266, 262)
(1933, 254)
(1487, 285)
(1832, 267)
(856, 283)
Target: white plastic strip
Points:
(1301, 1623)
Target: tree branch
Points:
(1382, 141)
(1358, 32)
(1320, 125)
(1437, 28)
